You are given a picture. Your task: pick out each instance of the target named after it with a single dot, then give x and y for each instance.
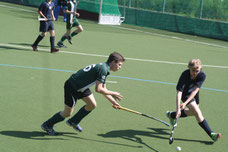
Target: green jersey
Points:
(72, 7)
(85, 78)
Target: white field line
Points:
(105, 56)
(111, 81)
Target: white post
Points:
(100, 10)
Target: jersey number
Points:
(89, 67)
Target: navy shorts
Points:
(196, 99)
(46, 26)
(71, 95)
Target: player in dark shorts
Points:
(188, 88)
(77, 87)
(72, 21)
(46, 11)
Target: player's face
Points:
(194, 72)
(115, 66)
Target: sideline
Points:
(98, 55)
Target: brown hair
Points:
(116, 57)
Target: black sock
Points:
(79, 115)
(173, 114)
(52, 41)
(206, 127)
(54, 119)
(38, 39)
(73, 34)
(183, 113)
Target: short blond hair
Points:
(195, 63)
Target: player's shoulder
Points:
(103, 66)
(202, 74)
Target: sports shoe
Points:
(215, 136)
(69, 40)
(60, 44)
(54, 50)
(49, 130)
(76, 127)
(34, 48)
(172, 121)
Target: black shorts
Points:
(71, 95)
(46, 26)
(196, 98)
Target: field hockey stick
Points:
(171, 135)
(139, 113)
(43, 19)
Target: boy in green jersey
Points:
(77, 87)
(72, 21)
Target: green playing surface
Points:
(31, 87)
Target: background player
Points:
(46, 11)
(77, 87)
(58, 5)
(71, 11)
(188, 87)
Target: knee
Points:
(90, 107)
(52, 33)
(66, 114)
(43, 34)
(93, 106)
(80, 29)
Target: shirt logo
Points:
(103, 77)
(49, 7)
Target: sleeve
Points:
(200, 79)
(181, 84)
(41, 7)
(101, 74)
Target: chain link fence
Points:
(205, 9)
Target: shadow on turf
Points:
(27, 44)
(21, 49)
(36, 135)
(134, 135)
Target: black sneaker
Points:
(69, 40)
(49, 130)
(61, 45)
(76, 127)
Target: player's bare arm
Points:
(41, 14)
(101, 88)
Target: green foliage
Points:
(212, 9)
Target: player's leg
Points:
(84, 111)
(43, 29)
(64, 37)
(52, 38)
(70, 101)
(194, 110)
(74, 33)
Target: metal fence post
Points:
(163, 8)
(129, 4)
(201, 8)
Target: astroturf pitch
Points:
(31, 87)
